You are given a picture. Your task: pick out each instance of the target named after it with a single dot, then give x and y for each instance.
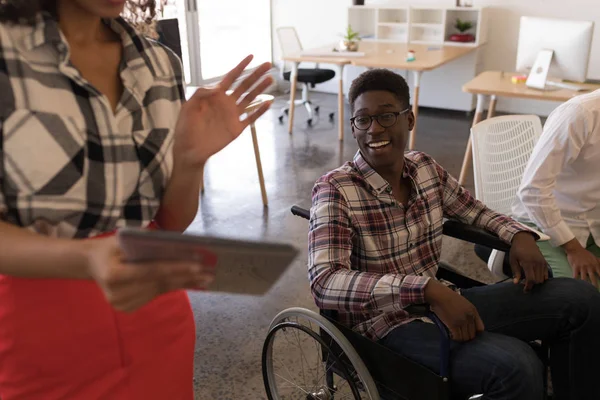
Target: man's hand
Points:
(458, 314)
(585, 265)
(526, 256)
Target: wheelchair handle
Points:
(301, 212)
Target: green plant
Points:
(351, 35)
(463, 26)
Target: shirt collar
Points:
(141, 72)
(375, 180)
(43, 31)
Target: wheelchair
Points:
(308, 355)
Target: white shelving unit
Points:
(417, 24)
(429, 25)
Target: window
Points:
(217, 34)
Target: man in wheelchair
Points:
(374, 248)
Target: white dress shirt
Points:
(560, 191)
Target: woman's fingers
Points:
(251, 80)
(235, 73)
(249, 97)
(256, 114)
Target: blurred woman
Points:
(94, 136)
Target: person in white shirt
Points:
(560, 191)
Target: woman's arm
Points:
(179, 204)
(28, 255)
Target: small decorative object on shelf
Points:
(462, 27)
(358, 2)
(350, 40)
(464, 3)
(410, 56)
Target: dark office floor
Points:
(231, 329)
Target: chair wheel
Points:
(281, 119)
(309, 121)
(316, 109)
(331, 116)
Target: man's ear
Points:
(411, 120)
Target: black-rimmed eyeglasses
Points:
(364, 122)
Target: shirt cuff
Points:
(559, 234)
(412, 290)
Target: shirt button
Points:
(388, 189)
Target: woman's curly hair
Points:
(140, 13)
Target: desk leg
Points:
(415, 108)
(261, 178)
(468, 158)
(294, 82)
(341, 103)
(492, 108)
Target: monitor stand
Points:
(538, 77)
(539, 72)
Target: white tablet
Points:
(241, 266)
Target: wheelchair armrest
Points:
(301, 212)
(474, 234)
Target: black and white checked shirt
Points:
(69, 166)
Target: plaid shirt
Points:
(369, 257)
(69, 165)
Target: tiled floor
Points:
(231, 329)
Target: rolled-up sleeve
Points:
(333, 283)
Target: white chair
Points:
(502, 147)
(308, 77)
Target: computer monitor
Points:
(570, 41)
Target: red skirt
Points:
(60, 339)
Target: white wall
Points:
(320, 22)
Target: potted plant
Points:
(462, 27)
(350, 40)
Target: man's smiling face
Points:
(381, 146)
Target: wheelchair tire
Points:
(285, 320)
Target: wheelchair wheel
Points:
(306, 357)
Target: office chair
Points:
(168, 35)
(307, 77)
(502, 147)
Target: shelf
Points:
(393, 15)
(363, 20)
(459, 44)
(430, 26)
(428, 41)
(427, 15)
(464, 15)
(395, 32)
(393, 24)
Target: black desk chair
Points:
(168, 34)
(347, 364)
(308, 78)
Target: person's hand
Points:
(584, 264)
(458, 314)
(526, 256)
(210, 119)
(128, 287)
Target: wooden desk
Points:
(383, 55)
(260, 99)
(492, 84)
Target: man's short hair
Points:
(380, 79)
